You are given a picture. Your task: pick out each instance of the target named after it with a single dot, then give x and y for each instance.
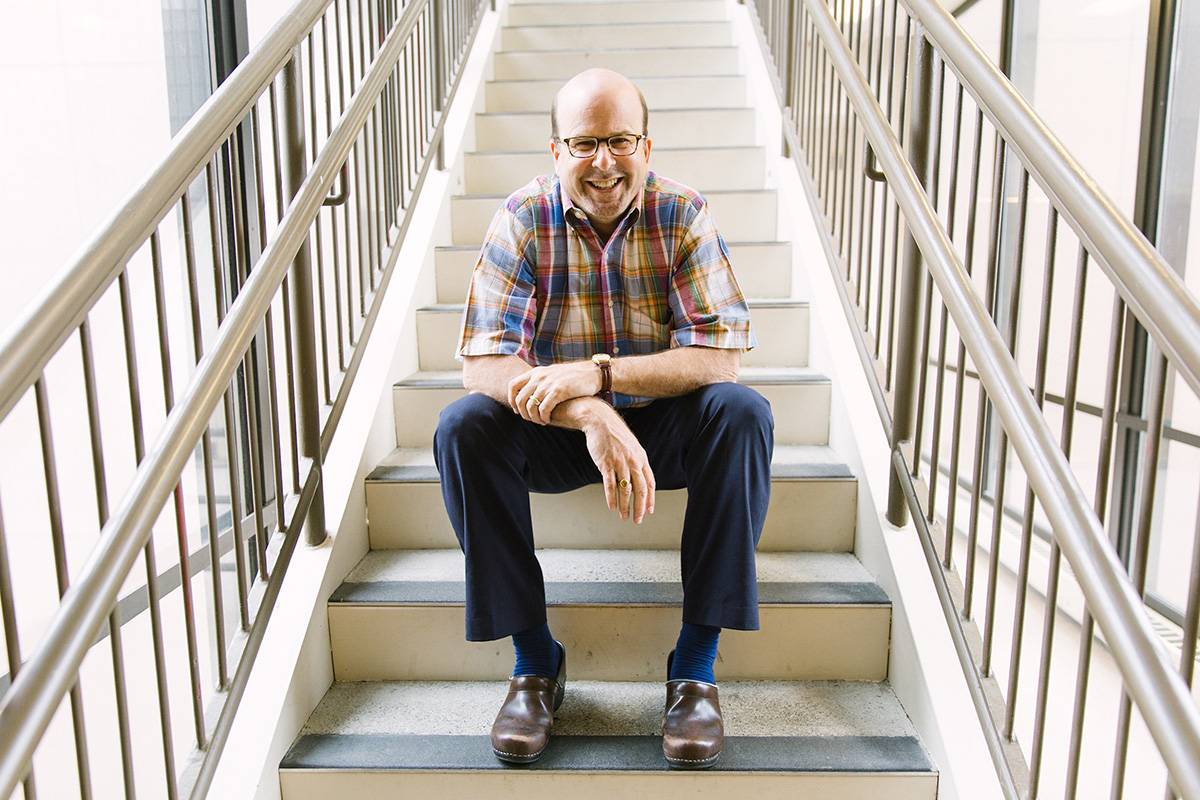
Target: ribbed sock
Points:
(536, 652)
(695, 654)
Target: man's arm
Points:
(670, 373)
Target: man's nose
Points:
(603, 158)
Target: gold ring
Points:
(535, 401)
(623, 483)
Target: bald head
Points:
(597, 86)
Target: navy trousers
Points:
(716, 441)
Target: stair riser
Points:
(763, 270)
(708, 170)
(601, 13)
(519, 784)
(801, 412)
(705, 92)
(637, 64)
(782, 333)
(740, 216)
(803, 515)
(607, 37)
(617, 643)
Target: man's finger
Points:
(624, 496)
(651, 487)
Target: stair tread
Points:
(822, 726)
(452, 379)
(608, 577)
(789, 462)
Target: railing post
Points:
(308, 417)
(439, 78)
(911, 271)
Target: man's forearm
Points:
(491, 375)
(675, 372)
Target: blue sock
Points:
(536, 652)
(695, 654)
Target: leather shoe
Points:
(522, 728)
(693, 732)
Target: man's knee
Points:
(740, 409)
(469, 421)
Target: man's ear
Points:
(646, 149)
(554, 149)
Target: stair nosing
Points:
(815, 755)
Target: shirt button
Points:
(616, 350)
(611, 304)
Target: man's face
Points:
(601, 185)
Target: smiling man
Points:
(601, 343)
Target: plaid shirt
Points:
(548, 290)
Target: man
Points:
(601, 344)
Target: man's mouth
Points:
(605, 185)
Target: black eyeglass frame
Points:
(569, 142)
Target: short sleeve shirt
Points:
(548, 290)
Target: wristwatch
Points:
(604, 362)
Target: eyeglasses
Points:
(623, 144)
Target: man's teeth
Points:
(608, 184)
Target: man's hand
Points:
(535, 394)
(628, 479)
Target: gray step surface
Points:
(813, 507)
(833, 740)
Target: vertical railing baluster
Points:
(1039, 396)
(12, 645)
(1151, 449)
(185, 578)
(1070, 393)
(302, 300)
(148, 552)
(231, 434)
(114, 619)
(54, 509)
(1103, 469)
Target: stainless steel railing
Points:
(946, 319)
(266, 290)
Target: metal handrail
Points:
(32, 340)
(47, 676)
(1162, 696)
(1146, 282)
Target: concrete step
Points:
(637, 64)
(741, 216)
(784, 740)
(669, 128)
(764, 269)
(822, 617)
(604, 12)
(708, 169)
(682, 33)
(813, 508)
(701, 91)
(781, 327)
(799, 397)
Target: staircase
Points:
(808, 710)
